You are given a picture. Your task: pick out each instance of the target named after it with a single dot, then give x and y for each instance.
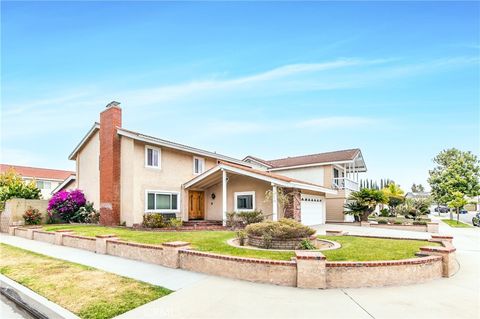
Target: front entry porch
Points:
(234, 188)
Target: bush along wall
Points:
(71, 206)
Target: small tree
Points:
(394, 195)
(457, 203)
(13, 186)
(455, 171)
(365, 201)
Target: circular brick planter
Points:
(286, 244)
(320, 244)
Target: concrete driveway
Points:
(215, 297)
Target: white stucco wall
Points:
(136, 179)
(307, 174)
(88, 173)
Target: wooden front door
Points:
(196, 205)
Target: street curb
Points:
(36, 305)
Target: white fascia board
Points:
(65, 182)
(202, 176)
(309, 165)
(179, 147)
(94, 128)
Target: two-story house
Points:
(128, 174)
(46, 179)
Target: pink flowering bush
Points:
(69, 206)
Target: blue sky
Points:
(398, 80)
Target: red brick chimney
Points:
(110, 119)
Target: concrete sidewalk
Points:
(456, 297)
(215, 297)
(173, 279)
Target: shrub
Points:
(153, 221)
(398, 222)
(32, 216)
(253, 217)
(283, 229)
(384, 212)
(307, 245)
(382, 221)
(86, 214)
(231, 220)
(242, 219)
(66, 204)
(417, 222)
(241, 235)
(175, 222)
(13, 186)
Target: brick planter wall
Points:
(290, 244)
(276, 272)
(309, 269)
(44, 236)
(81, 242)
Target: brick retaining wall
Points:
(276, 272)
(309, 269)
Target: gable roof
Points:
(328, 157)
(36, 172)
(181, 147)
(281, 180)
(319, 158)
(70, 179)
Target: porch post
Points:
(224, 197)
(275, 202)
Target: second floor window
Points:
(198, 165)
(152, 157)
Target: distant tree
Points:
(418, 188)
(394, 195)
(455, 171)
(13, 186)
(457, 202)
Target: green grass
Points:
(353, 248)
(85, 291)
(453, 223)
(364, 249)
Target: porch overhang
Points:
(214, 176)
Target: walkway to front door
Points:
(196, 205)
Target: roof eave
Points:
(185, 148)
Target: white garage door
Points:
(313, 210)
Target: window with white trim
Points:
(244, 201)
(152, 157)
(44, 185)
(198, 165)
(159, 201)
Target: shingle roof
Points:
(36, 172)
(328, 157)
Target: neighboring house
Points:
(46, 179)
(68, 183)
(127, 174)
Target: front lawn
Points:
(85, 291)
(453, 223)
(353, 248)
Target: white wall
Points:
(307, 174)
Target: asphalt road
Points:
(9, 310)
